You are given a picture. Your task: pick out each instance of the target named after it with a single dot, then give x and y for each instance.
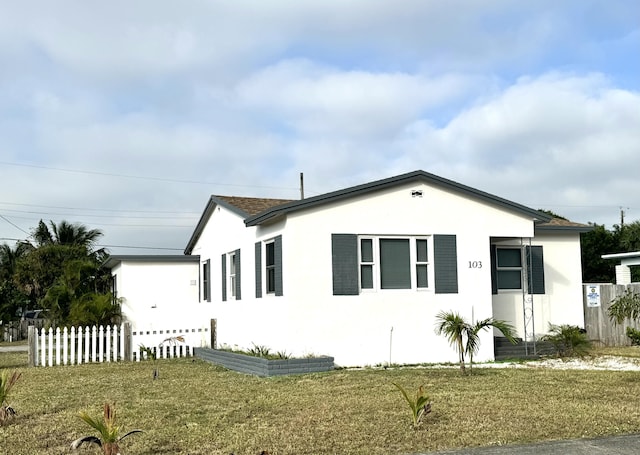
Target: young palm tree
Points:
(464, 337)
(7, 381)
(109, 432)
(473, 338)
(454, 328)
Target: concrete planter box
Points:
(264, 367)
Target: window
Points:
(232, 274)
(114, 289)
(206, 281)
(422, 264)
(366, 263)
(268, 263)
(393, 263)
(509, 268)
(270, 267)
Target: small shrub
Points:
(420, 405)
(260, 351)
(568, 340)
(109, 432)
(634, 336)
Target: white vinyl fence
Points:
(77, 345)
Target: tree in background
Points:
(12, 298)
(61, 273)
(599, 241)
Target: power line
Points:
(14, 225)
(140, 177)
(97, 210)
(97, 216)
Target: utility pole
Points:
(621, 217)
(301, 185)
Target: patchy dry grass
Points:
(198, 408)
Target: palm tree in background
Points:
(65, 233)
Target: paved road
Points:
(624, 445)
(20, 348)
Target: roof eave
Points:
(114, 260)
(579, 229)
(282, 210)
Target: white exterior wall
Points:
(373, 327)
(562, 301)
(156, 295)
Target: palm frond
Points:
(86, 439)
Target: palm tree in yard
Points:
(110, 434)
(465, 336)
(453, 327)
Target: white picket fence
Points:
(77, 345)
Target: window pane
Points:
(421, 250)
(395, 267)
(509, 257)
(271, 280)
(509, 279)
(421, 274)
(366, 250)
(271, 254)
(366, 277)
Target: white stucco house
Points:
(361, 273)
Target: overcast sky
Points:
(127, 115)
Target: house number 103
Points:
(475, 264)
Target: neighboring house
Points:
(623, 270)
(361, 273)
(156, 291)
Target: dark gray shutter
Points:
(445, 264)
(224, 277)
(494, 271)
(277, 250)
(258, 270)
(344, 258)
(207, 278)
(238, 287)
(535, 270)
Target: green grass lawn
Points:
(198, 408)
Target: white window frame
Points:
(413, 262)
(269, 268)
(231, 275)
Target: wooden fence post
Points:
(214, 333)
(126, 334)
(32, 344)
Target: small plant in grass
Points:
(110, 433)
(568, 340)
(7, 381)
(634, 336)
(152, 354)
(420, 405)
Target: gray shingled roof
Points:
(243, 206)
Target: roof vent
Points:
(416, 193)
